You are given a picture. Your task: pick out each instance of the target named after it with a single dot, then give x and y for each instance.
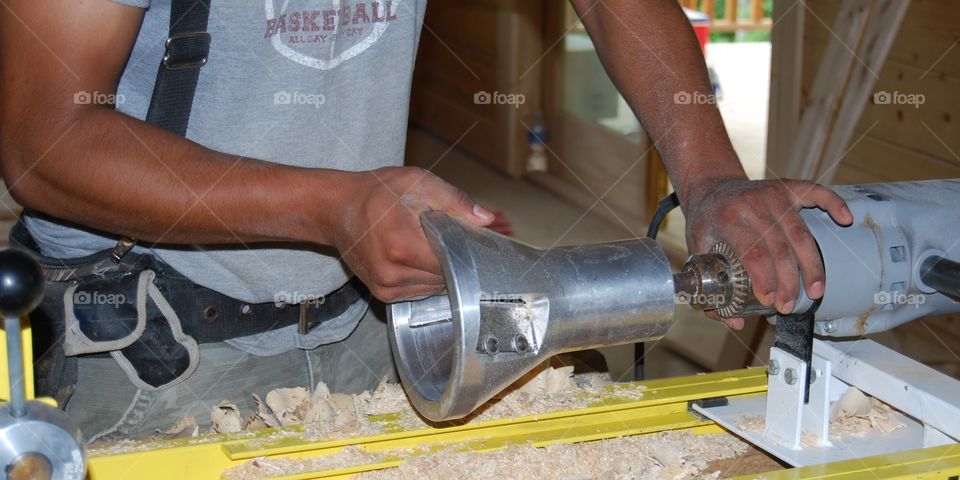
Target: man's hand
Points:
(380, 236)
(760, 220)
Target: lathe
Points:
(508, 307)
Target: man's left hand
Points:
(760, 219)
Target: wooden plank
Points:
(880, 32)
(601, 163)
(927, 40)
(786, 66)
(921, 128)
(519, 73)
(756, 11)
(439, 71)
(451, 121)
(893, 162)
(730, 10)
(828, 86)
(477, 37)
(494, 52)
(710, 8)
(723, 26)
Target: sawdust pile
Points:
(854, 414)
(337, 415)
(667, 455)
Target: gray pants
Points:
(106, 405)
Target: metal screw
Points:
(491, 345)
(790, 376)
(830, 326)
(521, 343)
(773, 367)
(813, 375)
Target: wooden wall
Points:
(471, 46)
(901, 142)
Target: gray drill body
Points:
(873, 274)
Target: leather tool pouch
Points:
(125, 314)
(100, 305)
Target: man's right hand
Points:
(380, 237)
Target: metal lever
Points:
(37, 441)
(11, 325)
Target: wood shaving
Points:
(288, 405)
(853, 402)
(856, 414)
(262, 418)
(226, 418)
(327, 415)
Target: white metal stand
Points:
(928, 404)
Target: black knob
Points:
(21, 282)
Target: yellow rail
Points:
(939, 463)
(663, 407)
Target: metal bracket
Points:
(509, 323)
(928, 404)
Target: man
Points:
(288, 183)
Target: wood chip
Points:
(289, 405)
(226, 418)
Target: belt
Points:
(205, 314)
(209, 316)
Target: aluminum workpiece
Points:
(510, 306)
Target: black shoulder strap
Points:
(185, 53)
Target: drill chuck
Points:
(718, 281)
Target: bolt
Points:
(521, 343)
(830, 326)
(790, 376)
(773, 367)
(813, 375)
(491, 345)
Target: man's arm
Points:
(650, 52)
(94, 166)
